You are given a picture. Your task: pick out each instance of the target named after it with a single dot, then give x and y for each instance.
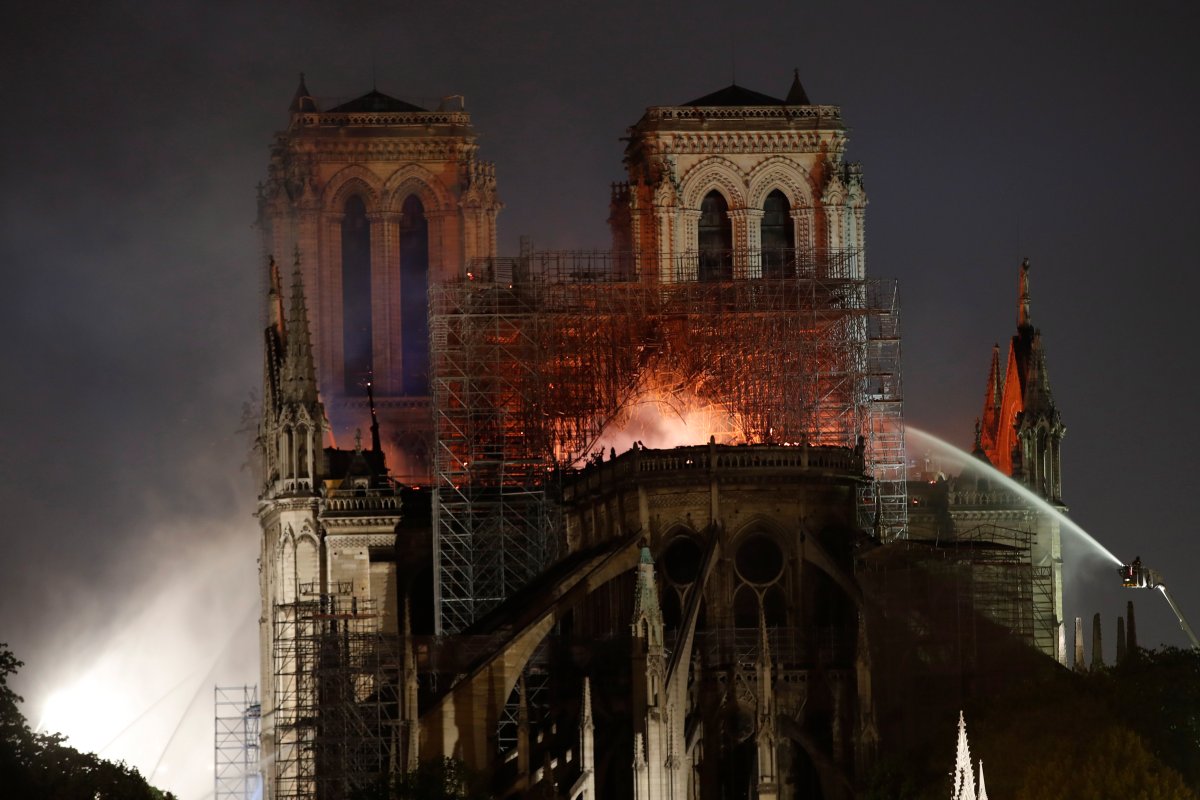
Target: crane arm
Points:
(1138, 576)
(1179, 614)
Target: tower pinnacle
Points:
(275, 298)
(1023, 320)
(302, 100)
(964, 778)
(647, 614)
(796, 95)
(299, 371)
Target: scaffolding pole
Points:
(237, 716)
(336, 698)
(536, 358)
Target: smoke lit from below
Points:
(138, 686)
(661, 420)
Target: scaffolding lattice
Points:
(535, 358)
(1001, 575)
(336, 698)
(236, 723)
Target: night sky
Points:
(136, 134)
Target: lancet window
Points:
(715, 239)
(778, 236)
(414, 289)
(356, 296)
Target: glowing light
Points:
(661, 419)
(969, 463)
(132, 680)
(88, 712)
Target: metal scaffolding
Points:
(335, 682)
(1001, 585)
(237, 716)
(536, 358)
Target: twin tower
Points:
(380, 199)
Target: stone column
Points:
(802, 227)
(385, 306)
(747, 242)
(331, 363)
(1079, 665)
(445, 251)
(668, 242)
(682, 263)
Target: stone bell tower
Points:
(379, 198)
(738, 184)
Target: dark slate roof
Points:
(375, 101)
(734, 95)
(351, 464)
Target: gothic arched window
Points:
(778, 236)
(356, 296)
(745, 608)
(414, 296)
(715, 239)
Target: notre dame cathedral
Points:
(629, 524)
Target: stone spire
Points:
(1097, 645)
(299, 372)
(650, 698)
(587, 746)
(409, 714)
(376, 447)
(641, 788)
(982, 788)
(766, 736)
(292, 427)
(1038, 396)
(1079, 663)
(995, 388)
(964, 778)
(1120, 639)
(275, 335)
(987, 427)
(647, 614)
(275, 299)
(1039, 427)
(523, 742)
(1023, 319)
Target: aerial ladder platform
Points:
(1138, 576)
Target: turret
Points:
(292, 428)
(766, 736)
(1021, 430)
(964, 778)
(649, 681)
(587, 747)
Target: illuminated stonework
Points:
(377, 197)
(568, 611)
